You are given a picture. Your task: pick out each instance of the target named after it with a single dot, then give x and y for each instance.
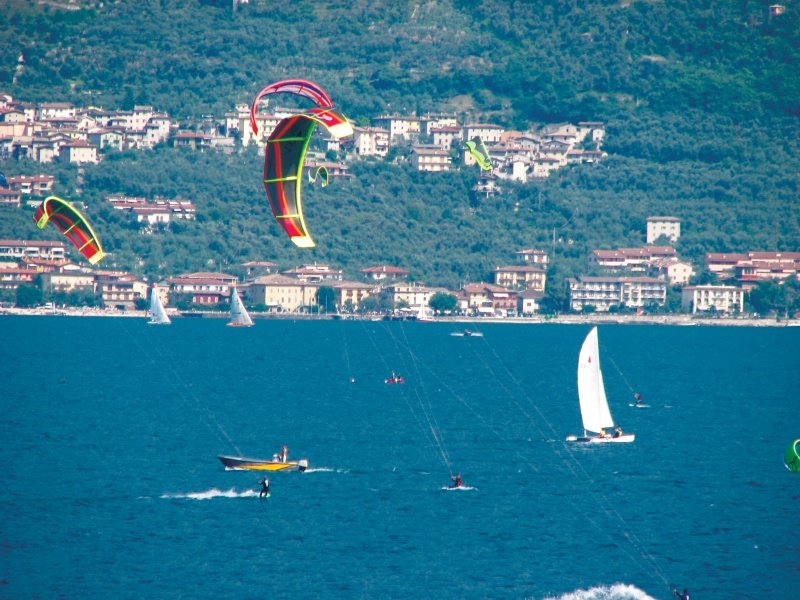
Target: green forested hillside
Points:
(701, 102)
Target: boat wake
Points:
(214, 493)
(324, 470)
(618, 591)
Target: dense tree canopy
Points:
(701, 102)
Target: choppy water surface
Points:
(110, 429)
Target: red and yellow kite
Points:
(72, 224)
(286, 149)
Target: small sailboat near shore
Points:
(239, 314)
(598, 425)
(424, 315)
(157, 313)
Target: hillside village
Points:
(633, 279)
(434, 142)
(620, 279)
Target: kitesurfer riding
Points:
(681, 596)
(456, 480)
(264, 487)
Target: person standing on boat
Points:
(284, 453)
(264, 487)
(617, 432)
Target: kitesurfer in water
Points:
(681, 596)
(638, 397)
(264, 487)
(456, 480)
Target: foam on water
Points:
(617, 591)
(213, 493)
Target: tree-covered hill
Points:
(701, 101)
(514, 61)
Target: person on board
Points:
(602, 433)
(681, 596)
(284, 453)
(617, 432)
(264, 487)
(456, 480)
(638, 398)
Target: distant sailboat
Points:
(423, 315)
(157, 314)
(239, 316)
(592, 397)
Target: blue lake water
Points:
(111, 428)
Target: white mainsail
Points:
(158, 316)
(239, 316)
(423, 314)
(591, 391)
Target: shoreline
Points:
(592, 319)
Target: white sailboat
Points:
(423, 315)
(598, 425)
(239, 315)
(157, 314)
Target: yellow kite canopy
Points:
(72, 224)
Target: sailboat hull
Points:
(622, 439)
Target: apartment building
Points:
(721, 298)
(602, 293)
(669, 227)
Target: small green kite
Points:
(477, 148)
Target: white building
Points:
(669, 227)
(26, 249)
(406, 128)
(370, 141)
(430, 158)
(721, 298)
(676, 272)
(604, 292)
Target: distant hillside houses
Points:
(60, 130)
(661, 262)
(31, 185)
(518, 290)
(436, 141)
(747, 269)
(157, 211)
